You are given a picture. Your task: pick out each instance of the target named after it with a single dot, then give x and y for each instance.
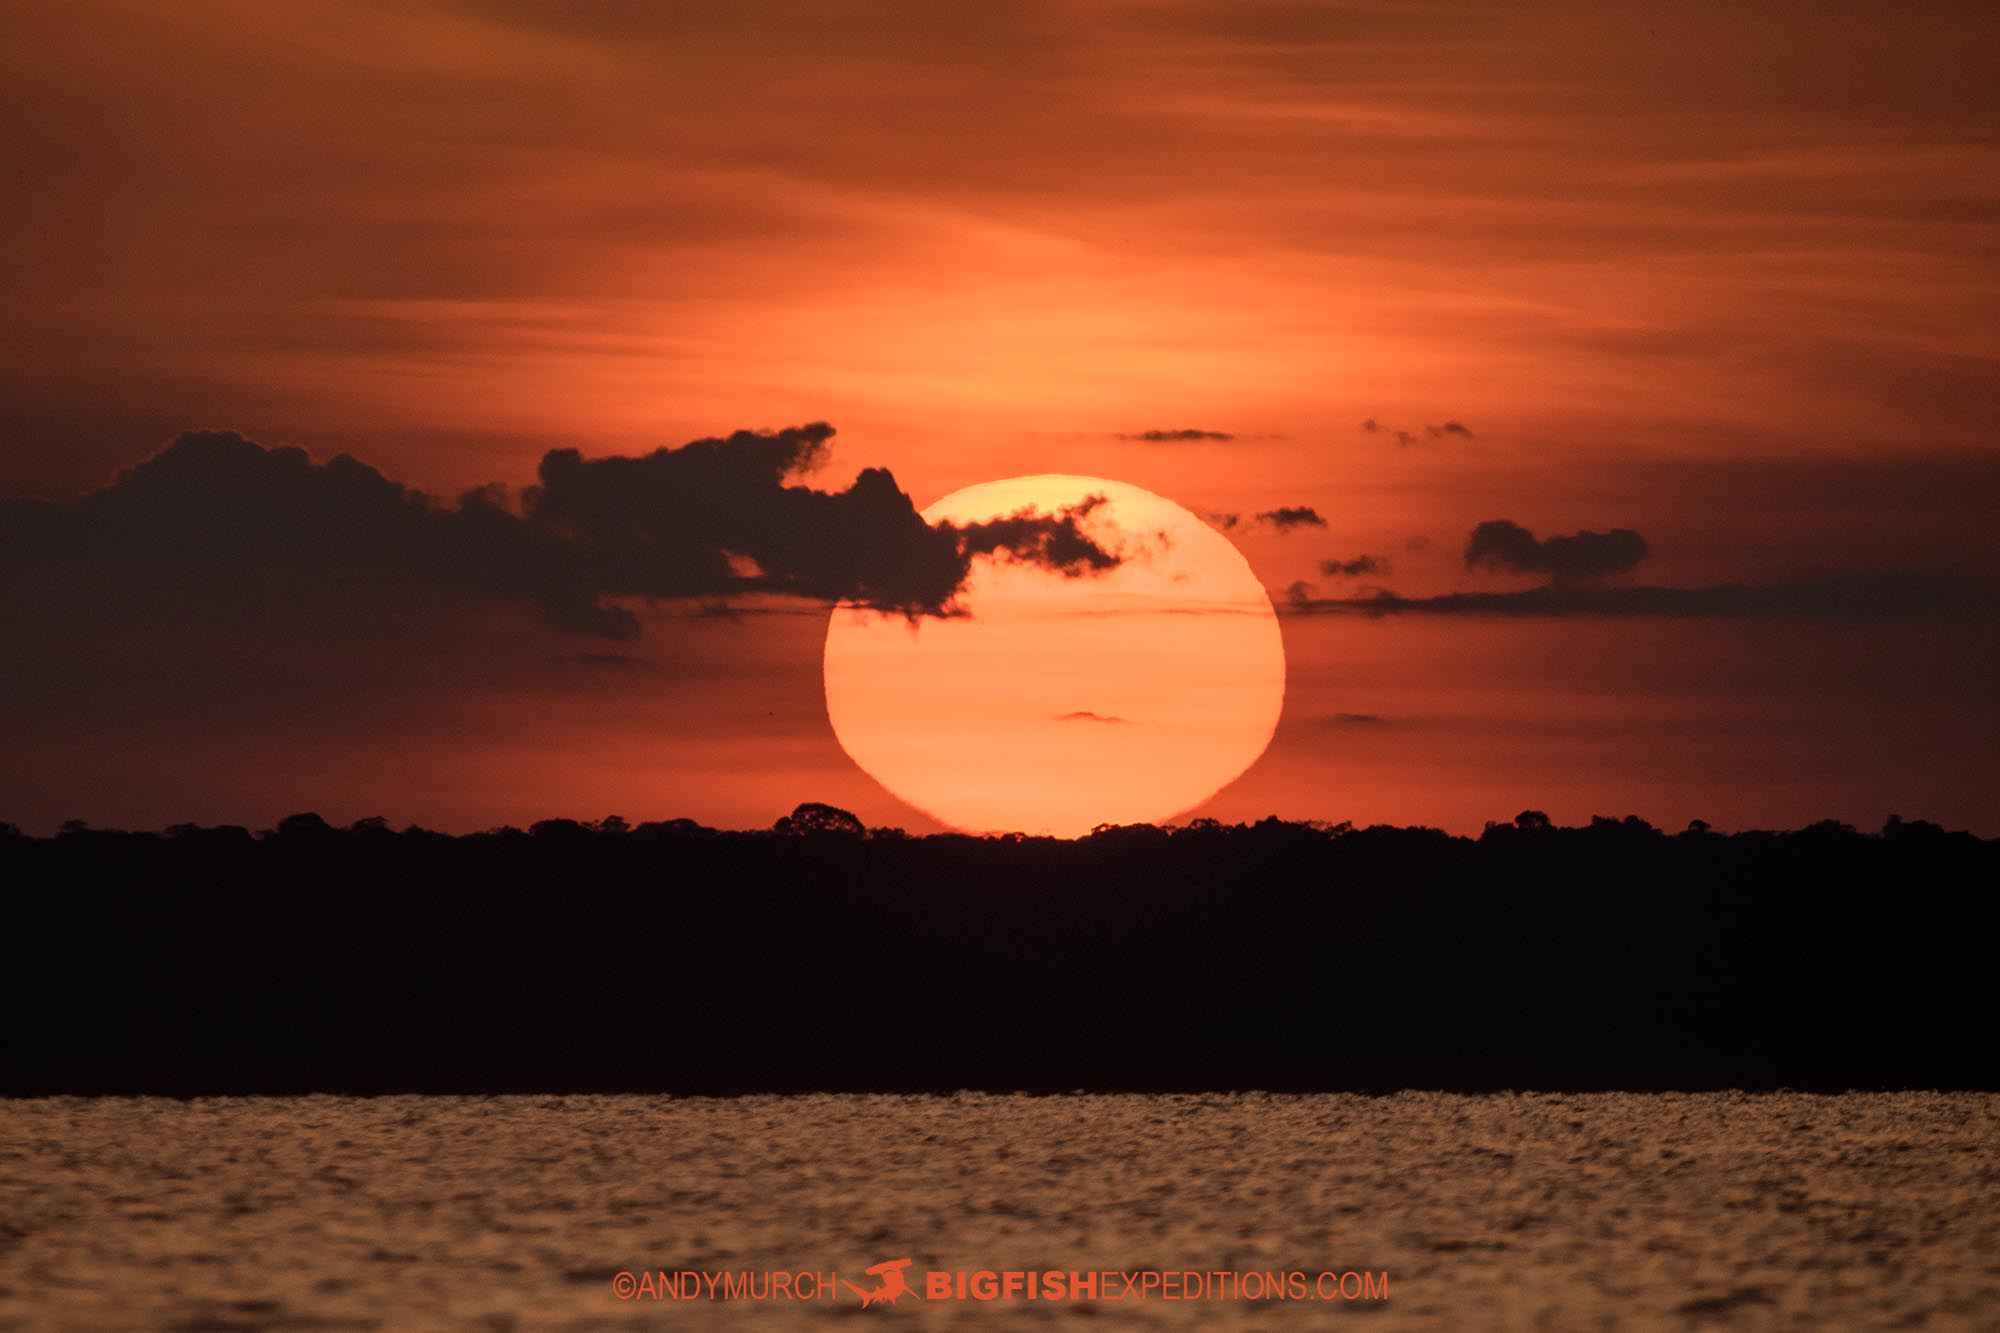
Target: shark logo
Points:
(890, 1271)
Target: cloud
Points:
(711, 518)
(1865, 595)
(1503, 544)
(1031, 537)
(1356, 719)
(1185, 435)
(1085, 715)
(1283, 519)
(1404, 439)
(1286, 518)
(1575, 564)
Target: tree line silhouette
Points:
(822, 955)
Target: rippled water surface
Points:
(1854, 1211)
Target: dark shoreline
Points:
(667, 958)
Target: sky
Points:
(1445, 287)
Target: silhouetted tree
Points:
(303, 825)
(674, 828)
(810, 817)
(1129, 833)
(1283, 955)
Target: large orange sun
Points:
(1061, 703)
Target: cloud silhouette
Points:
(711, 518)
(1055, 542)
(1503, 544)
(1575, 564)
(1864, 595)
(1359, 565)
(1404, 438)
(1287, 518)
(1185, 435)
(1085, 715)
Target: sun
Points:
(1060, 703)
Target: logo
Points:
(892, 1285)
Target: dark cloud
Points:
(1035, 538)
(1502, 544)
(714, 517)
(1286, 518)
(1185, 435)
(1404, 438)
(1359, 565)
(1085, 715)
(1356, 719)
(1417, 544)
(1868, 595)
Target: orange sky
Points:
(1725, 275)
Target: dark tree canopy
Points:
(663, 956)
(810, 817)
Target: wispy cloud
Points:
(1358, 566)
(1405, 438)
(1183, 435)
(1284, 519)
(1876, 595)
(1289, 518)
